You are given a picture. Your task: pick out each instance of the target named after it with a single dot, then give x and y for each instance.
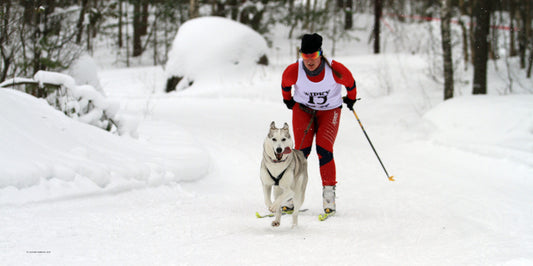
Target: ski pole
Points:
(311, 120)
(391, 178)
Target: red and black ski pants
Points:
(324, 125)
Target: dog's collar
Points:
(279, 161)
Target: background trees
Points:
(50, 34)
(446, 41)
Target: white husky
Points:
(285, 169)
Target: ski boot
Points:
(328, 196)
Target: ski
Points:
(258, 215)
(325, 216)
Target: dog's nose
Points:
(279, 150)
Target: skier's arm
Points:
(345, 78)
(289, 78)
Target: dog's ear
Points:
(285, 126)
(272, 129)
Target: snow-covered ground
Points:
(186, 191)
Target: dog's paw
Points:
(275, 223)
(272, 209)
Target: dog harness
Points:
(276, 179)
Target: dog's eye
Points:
(284, 139)
(274, 139)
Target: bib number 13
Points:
(319, 99)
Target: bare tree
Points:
(529, 35)
(512, 18)
(79, 25)
(34, 36)
(144, 17)
(525, 30)
(348, 14)
(137, 28)
(120, 23)
(346, 6)
(482, 28)
(378, 9)
(7, 50)
(447, 48)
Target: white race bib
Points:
(323, 95)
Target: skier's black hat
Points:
(311, 43)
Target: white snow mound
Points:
(215, 49)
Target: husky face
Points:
(279, 141)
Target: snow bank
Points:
(499, 126)
(214, 50)
(41, 146)
(83, 103)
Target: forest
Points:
(50, 34)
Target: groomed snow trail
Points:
(448, 205)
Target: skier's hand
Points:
(349, 102)
(290, 103)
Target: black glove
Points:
(349, 102)
(290, 103)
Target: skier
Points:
(316, 108)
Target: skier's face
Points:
(312, 63)
(312, 60)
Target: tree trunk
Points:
(127, 37)
(464, 31)
(481, 33)
(39, 30)
(144, 17)
(471, 33)
(512, 34)
(314, 16)
(528, 75)
(307, 15)
(137, 29)
(120, 43)
(348, 14)
(79, 26)
(154, 43)
(378, 9)
(29, 11)
(529, 36)
(447, 48)
(193, 9)
(6, 56)
(523, 35)
(234, 9)
(218, 8)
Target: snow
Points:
(85, 71)
(46, 153)
(185, 191)
(499, 126)
(214, 50)
(54, 78)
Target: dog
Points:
(285, 170)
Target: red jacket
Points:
(290, 76)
